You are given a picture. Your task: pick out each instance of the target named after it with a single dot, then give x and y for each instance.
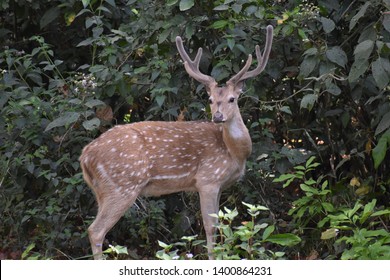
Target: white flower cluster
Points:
(85, 83)
(309, 10)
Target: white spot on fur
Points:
(167, 177)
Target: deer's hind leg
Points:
(110, 209)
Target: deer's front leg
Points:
(209, 202)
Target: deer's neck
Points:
(237, 139)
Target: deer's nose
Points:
(218, 117)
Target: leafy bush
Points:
(247, 241)
(362, 231)
(357, 232)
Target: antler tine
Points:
(261, 60)
(192, 66)
(238, 77)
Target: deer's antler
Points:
(261, 61)
(192, 66)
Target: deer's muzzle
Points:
(218, 117)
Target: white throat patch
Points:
(235, 129)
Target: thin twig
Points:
(284, 99)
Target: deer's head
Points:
(223, 100)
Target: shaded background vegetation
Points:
(69, 70)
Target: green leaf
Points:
(97, 31)
(118, 249)
(111, 2)
(367, 211)
(302, 34)
(267, 232)
(222, 7)
(329, 233)
(252, 208)
(308, 189)
(49, 16)
(379, 152)
(310, 182)
(288, 182)
(363, 51)
(163, 245)
(164, 35)
(359, 15)
(94, 103)
(171, 2)
(358, 69)
(286, 109)
(350, 212)
(27, 251)
(91, 124)
(374, 233)
(321, 223)
(308, 65)
(337, 55)
(160, 99)
(327, 24)
(283, 178)
(381, 77)
(86, 42)
(219, 24)
(308, 101)
(141, 70)
(384, 124)
(327, 206)
(186, 5)
(64, 120)
(300, 168)
(284, 239)
(333, 88)
(85, 3)
(190, 30)
(231, 42)
(4, 97)
(237, 8)
(309, 162)
(381, 212)
(311, 52)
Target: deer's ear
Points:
(239, 88)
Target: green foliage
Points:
(183, 251)
(357, 226)
(116, 251)
(379, 152)
(247, 241)
(29, 254)
(69, 70)
(359, 232)
(316, 200)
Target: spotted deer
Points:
(154, 158)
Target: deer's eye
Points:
(210, 100)
(231, 100)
